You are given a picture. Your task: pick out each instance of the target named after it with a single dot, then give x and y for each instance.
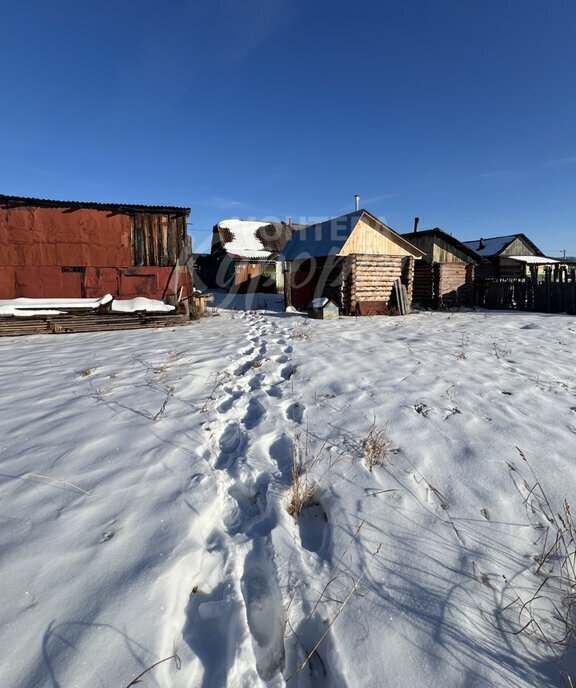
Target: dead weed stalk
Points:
(547, 614)
(137, 680)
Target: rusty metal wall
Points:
(52, 252)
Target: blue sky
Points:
(461, 112)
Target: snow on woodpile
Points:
(24, 307)
(141, 304)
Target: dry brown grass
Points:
(376, 445)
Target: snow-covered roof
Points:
(534, 260)
(318, 303)
(493, 246)
(254, 239)
(242, 240)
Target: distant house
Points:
(504, 255)
(70, 249)
(445, 275)
(352, 260)
(245, 253)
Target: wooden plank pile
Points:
(11, 326)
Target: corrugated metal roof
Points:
(322, 239)
(327, 238)
(493, 246)
(20, 201)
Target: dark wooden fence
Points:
(555, 292)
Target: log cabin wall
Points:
(455, 284)
(371, 278)
(424, 289)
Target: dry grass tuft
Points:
(302, 491)
(300, 333)
(376, 446)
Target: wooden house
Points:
(501, 255)
(69, 249)
(445, 275)
(246, 254)
(353, 260)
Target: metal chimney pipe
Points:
(416, 221)
(357, 200)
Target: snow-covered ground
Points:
(145, 479)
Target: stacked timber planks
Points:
(11, 326)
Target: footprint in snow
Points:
(295, 412)
(254, 414)
(249, 514)
(288, 371)
(275, 391)
(313, 526)
(232, 441)
(227, 404)
(212, 621)
(264, 613)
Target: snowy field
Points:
(146, 478)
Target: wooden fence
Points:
(554, 293)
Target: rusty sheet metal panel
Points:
(6, 282)
(42, 282)
(100, 281)
(61, 236)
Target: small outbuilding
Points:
(245, 254)
(445, 275)
(352, 260)
(71, 249)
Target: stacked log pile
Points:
(370, 278)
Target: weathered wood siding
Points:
(366, 239)
(518, 247)
(157, 238)
(446, 253)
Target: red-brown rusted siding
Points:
(71, 251)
